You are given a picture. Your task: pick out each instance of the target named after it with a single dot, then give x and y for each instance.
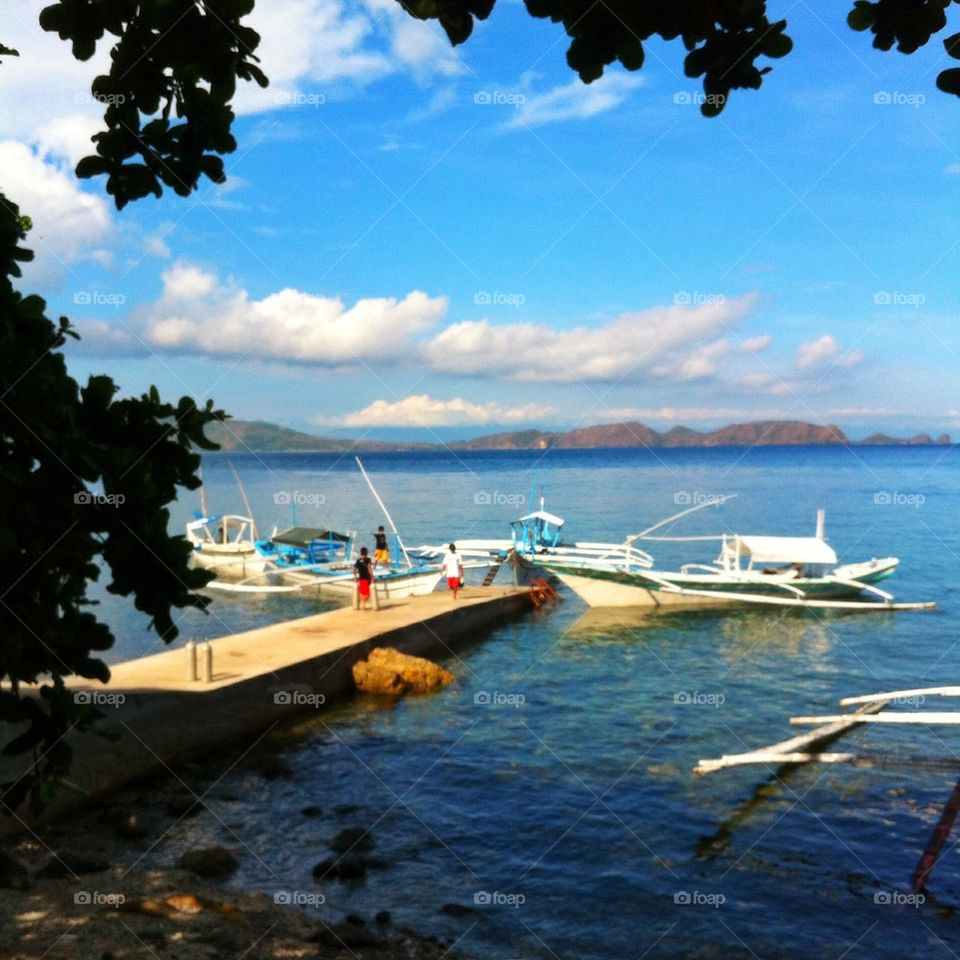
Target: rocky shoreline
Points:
(81, 887)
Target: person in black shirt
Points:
(363, 574)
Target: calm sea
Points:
(564, 813)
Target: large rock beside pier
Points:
(387, 671)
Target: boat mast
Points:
(246, 502)
(203, 493)
(393, 526)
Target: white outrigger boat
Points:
(225, 544)
(771, 571)
(323, 561)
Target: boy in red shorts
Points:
(363, 574)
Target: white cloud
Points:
(422, 410)
(330, 47)
(198, 314)
(574, 101)
(756, 344)
(813, 352)
(826, 350)
(46, 91)
(866, 412)
(69, 225)
(769, 383)
(306, 44)
(420, 45)
(699, 364)
(68, 137)
(667, 342)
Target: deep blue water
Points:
(576, 806)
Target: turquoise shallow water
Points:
(569, 805)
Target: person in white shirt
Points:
(453, 570)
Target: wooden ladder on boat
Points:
(492, 572)
(541, 592)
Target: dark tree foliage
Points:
(723, 38)
(175, 63)
(169, 57)
(84, 483)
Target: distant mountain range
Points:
(268, 437)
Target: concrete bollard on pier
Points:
(206, 661)
(192, 675)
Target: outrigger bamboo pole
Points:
(917, 716)
(902, 694)
(785, 750)
(867, 606)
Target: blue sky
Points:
(433, 242)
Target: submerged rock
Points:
(271, 767)
(66, 864)
(215, 862)
(177, 904)
(13, 874)
(350, 868)
(311, 811)
(352, 839)
(387, 671)
(183, 805)
(353, 869)
(129, 826)
(342, 936)
(456, 909)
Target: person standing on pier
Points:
(363, 574)
(453, 570)
(380, 552)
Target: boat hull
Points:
(615, 588)
(395, 587)
(231, 565)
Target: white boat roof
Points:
(543, 515)
(784, 549)
(219, 518)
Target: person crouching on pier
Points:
(453, 570)
(363, 574)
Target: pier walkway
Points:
(155, 717)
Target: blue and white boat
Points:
(323, 560)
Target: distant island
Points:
(270, 438)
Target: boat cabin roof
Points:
(303, 536)
(783, 549)
(225, 518)
(543, 515)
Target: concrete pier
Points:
(157, 717)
